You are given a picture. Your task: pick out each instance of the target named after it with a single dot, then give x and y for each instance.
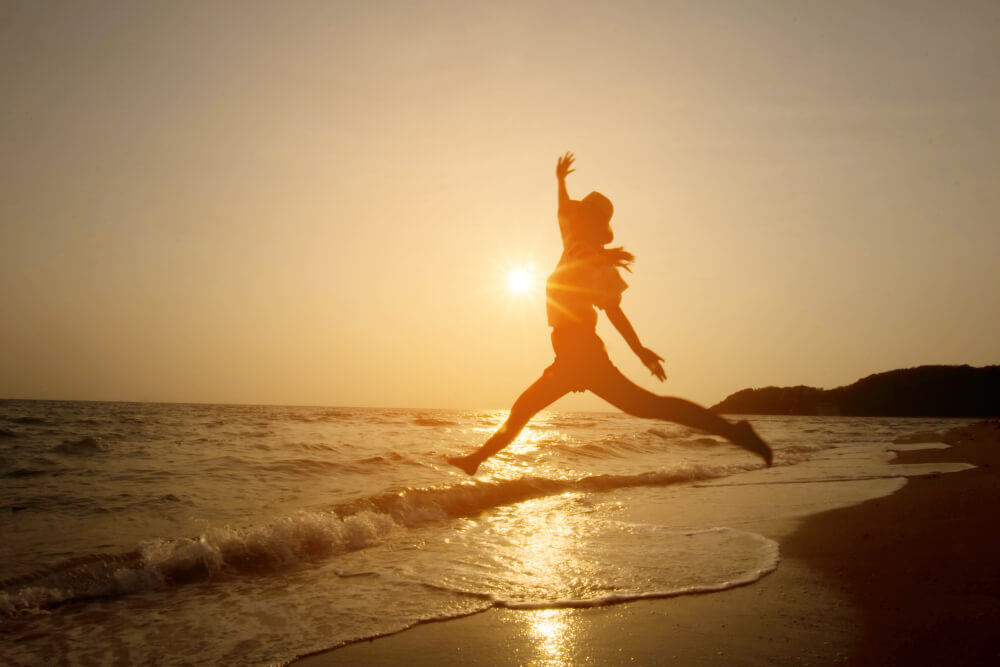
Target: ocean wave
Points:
(320, 416)
(131, 419)
(395, 457)
(431, 421)
(572, 423)
(652, 441)
(212, 555)
(335, 415)
(317, 446)
(85, 445)
(306, 536)
(26, 420)
(377, 419)
(792, 452)
(919, 437)
(414, 506)
(24, 472)
(301, 466)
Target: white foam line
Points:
(916, 447)
(747, 579)
(902, 475)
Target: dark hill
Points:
(925, 391)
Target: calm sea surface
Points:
(178, 534)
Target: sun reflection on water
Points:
(546, 546)
(527, 441)
(547, 551)
(553, 636)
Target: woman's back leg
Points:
(629, 397)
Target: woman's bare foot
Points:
(747, 438)
(467, 464)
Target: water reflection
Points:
(554, 636)
(527, 441)
(545, 545)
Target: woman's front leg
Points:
(542, 393)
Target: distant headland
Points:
(924, 391)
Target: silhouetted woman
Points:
(587, 277)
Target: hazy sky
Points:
(319, 202)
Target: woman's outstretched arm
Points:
(650, 359)
(562, 171)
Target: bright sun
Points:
(519, 280)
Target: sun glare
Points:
(519, 281)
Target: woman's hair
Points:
(618, 257)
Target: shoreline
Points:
(909, 578)
(923, 564)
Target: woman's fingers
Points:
(653, 362)
(563, 165)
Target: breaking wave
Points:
(306, 536)
(86, 445)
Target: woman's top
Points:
(584, 278)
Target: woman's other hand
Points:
(563, 166)
(653, 362)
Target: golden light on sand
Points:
(520, 280)
(552, 636)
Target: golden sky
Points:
(320, 202)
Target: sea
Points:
(170, 534)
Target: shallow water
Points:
(195, 533)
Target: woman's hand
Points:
(562, 166)
(652, 361)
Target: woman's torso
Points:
(582, 281)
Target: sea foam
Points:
(305, 536)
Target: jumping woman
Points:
(587, 277)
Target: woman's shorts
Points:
(580, 357)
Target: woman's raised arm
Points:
(562, 171)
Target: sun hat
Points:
(597, 207)
(590, 219)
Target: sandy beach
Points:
(911, 578)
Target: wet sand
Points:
(912, 578)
